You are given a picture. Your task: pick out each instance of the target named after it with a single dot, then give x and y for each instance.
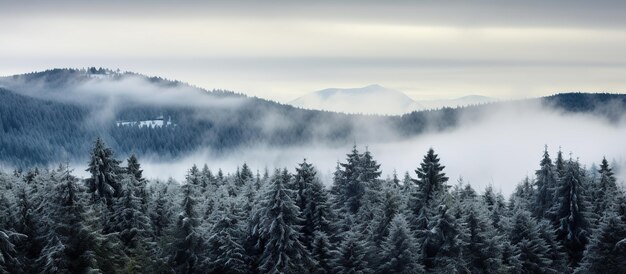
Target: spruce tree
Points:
(188, 244)
(226, 252)
(545, 185)
(74, 243)
(430, 182)
(105, 171)
(9, 261)
(279, 226)
(128, 219)
(444, 242)
(571, 212)
(604, 190)
(139, 183)
(400, 254)
(483, 242)
(604, 253)
(532, 248)
(317, 214)
(322, 252)
(351, 255)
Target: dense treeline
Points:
(39, 125)
(566, 219)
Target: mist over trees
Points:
(52, 116)
(565, 219)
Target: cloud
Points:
(500, 146)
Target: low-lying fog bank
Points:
(500, 147)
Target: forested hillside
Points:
(566, 219)
(52, 116)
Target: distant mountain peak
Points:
(370, 99)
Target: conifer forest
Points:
(565, 219)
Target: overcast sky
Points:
(283, 49)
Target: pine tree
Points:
(226, 252)
(381, 223)
(316, 213)
(350, 258)
(571, 212)
(545, 185)
(483, 242)
(354, 187)
(603, 254)
(604, 190)
(9, 261)
(27, 223)
(105, 171)
(74, 243)
(283, 252)
(400, 254)
(128, 219)
(322, 253)
(444, 242)
(188, 244)
(139, 183)
(532, 248)
(160, 216)
(430, 182)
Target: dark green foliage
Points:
(279, 226)
(571, 212)
(532, 250)
(430, 183)
(105, 171)
(400, 254)
(351, 256)
(545, 185)
(604, 253)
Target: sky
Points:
(281, 50)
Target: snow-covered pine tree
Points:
(571, 212)
(604, 190)
(9, 261)
(74, 243)
(189, 247)
(161, 213)
(139, 183)
(226, 252)
(322, 252)
(128, 219)
(483, 242)
(27, 223)
(382, 221)
(400, 254)
(545, 185)
(444, 242)
(351, 255)
(603, 255)
(316, 213)
(532, 248)
(555, 250)
(279, 226)
(354, 186)
(105, 171)
(430, 182)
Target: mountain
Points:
(376, 99)
(372, 99)
(51, 116)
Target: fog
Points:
(499, 147)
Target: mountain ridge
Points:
(376, 99)
(51, 116)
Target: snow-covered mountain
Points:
(376, 99)
(372, 99)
